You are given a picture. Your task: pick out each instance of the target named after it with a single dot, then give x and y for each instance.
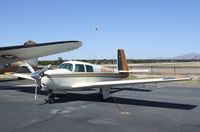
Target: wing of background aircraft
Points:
(127, 82)
(25, 52)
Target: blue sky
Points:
(144, 28)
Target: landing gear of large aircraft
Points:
(104, 93)
(51, 97)
(100, 95)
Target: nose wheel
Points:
(51, 97)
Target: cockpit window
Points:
(89, 68)
(79, 68)
(67, 66)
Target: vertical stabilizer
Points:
(121, 60)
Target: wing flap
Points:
(128, 82)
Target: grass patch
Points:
(130, 77)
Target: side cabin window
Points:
(79, 68)
(67, 66)
(89, 68)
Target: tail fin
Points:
(121, 61)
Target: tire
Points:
(51, 99)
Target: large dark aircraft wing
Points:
(30, 51)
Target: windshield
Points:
(67, 66)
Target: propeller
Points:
(37, 75)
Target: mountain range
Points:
(193, 56)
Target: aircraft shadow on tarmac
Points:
(94, 96)
(130, 89)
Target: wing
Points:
(127, 82)
(26, 52)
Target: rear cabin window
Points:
(79, 68)
(67, 66)
(89, 68)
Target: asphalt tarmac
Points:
(153, 108)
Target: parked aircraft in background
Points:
(10, 57)
(72, 75)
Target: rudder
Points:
(122, 64)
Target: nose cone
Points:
(35, 76)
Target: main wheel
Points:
(100, 95)
(51, 97)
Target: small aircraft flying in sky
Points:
(10, 57)
(72, 75)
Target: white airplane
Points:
(72, 75)
(11, 56)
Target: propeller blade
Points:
(37, 75)
(26, 76)
(30, 68)
(36, 91)
(44, 69)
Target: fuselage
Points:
(18, 66)
(70, 73)
(9, 67)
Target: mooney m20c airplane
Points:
(72, 75)
(10, 56)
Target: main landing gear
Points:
(104, 93)
(51, 97)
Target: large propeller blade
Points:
(30, 68)
(37, 75)
(36, 87)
